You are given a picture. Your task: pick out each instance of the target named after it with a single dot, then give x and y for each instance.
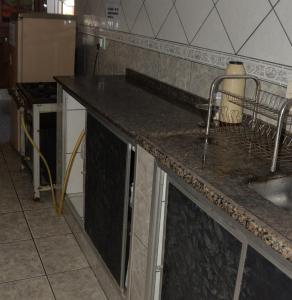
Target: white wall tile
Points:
(131, 10)
(265, 51)
(282, 8)
(192, 14)
(212, 35)
(242, 17)
(142, 24)
(98, 8)
(121, 24)
(172, 29)
(269, 43)
(158, 13)
(274, 2)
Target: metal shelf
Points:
(263, 126)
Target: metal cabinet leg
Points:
(36, 158)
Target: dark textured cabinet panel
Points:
(201, 258)
(104, 192)
(48, 143)
(262, 280)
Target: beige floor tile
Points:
(60, 254)
(45, 223)
(28, 203)
(76, 285)
(11, 157)
(19, 260)
(6, 182)
(29, 289)
(8, 201)
(13, 227)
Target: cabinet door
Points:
(262, 280)
(201, 258)
(106, 160)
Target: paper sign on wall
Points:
(113, 12)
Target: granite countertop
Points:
(224, 181)
(129, 107)
(169, 131)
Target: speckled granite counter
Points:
(129, 107)
(169, 132)
(224, 181)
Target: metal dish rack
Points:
(265, 130)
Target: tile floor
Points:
(39, 256)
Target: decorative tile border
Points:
(267, 71)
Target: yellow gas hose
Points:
(58, 208)
(43, 159)
(68, 172)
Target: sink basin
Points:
(277, 190)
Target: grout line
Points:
(125, 18)
(82, 232)
(136, 18)
(224, 27)
(10, 212)
(33, 240)
(68, 271)
(15, 241)
(253, 32)
(89, 264)
(281, 24)
(42, 208)
(164, 21)
(181, 23)
(23, 279)
(203, 23)
(51, 236)
(147, 13)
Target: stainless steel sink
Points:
(278, 190)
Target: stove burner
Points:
(39, 92)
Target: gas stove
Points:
(37, 103)
(37, 93)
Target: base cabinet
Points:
(105, 190)
(201, 258)
(263, 280)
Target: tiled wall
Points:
(189, 42)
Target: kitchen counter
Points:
(130, 108)
(169, 131)
(224, 182)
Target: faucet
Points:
(215, 87)
(283, 111)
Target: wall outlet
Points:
(289, 89)
(102, 42)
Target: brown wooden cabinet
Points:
(9, 8)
